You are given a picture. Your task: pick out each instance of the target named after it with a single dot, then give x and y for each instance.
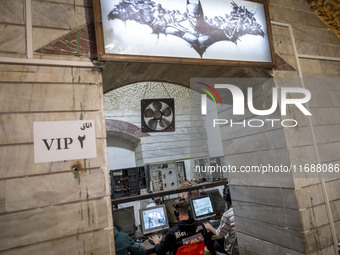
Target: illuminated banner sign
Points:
(204, 31)
(64, 140)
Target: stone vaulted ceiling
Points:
(328, 11)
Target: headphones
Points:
(176, 212)
(226, 195)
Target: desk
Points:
(150, 248)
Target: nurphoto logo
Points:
(239, 104)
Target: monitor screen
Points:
(202, 207)
(153, 219)
(124, 219)
(218, 202)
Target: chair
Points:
(234, 247)
(190, 249)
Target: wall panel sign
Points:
(64, 140)
(184, 31)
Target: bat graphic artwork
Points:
(192, 26)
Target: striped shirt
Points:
(227, 228)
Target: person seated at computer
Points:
(124, 245)
(155, 201)
(226, 231)
(186, 231)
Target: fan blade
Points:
(148, 113)
(164, 123)
(152, 123)
(167, 111)
(157, 105)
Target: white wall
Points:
(215, 147)
(120, 153)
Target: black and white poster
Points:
(202, 29)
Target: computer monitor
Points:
(202, 207)
(153, 219)
(218, 202)
(124, 220)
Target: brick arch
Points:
(124, 127)
(118, 74)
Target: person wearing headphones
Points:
(226, 231)
(186, 231)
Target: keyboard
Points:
(214, 223)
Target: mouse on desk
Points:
(140, 240)
(152, 242)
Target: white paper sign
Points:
(64, 140)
